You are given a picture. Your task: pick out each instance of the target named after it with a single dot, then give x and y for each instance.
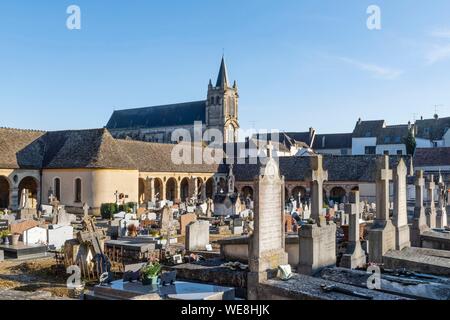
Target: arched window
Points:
(57, 188)
(212, 100)
(78, 190)
(218, 100)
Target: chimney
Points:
(436, 116)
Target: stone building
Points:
(91, 166)
(156, 124)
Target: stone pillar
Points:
(317, 241)
(431, 210)
(214, 187)
(177, 190)
(382, 233)
(152, 190)
(400, 218)
(163, 195)
(204, 191)
(441, 214)
(419, 225)
(355, 257)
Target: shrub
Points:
(108, 209)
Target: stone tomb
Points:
(317, 241)
(382, 233)
(58, 235)
(180, 290)
(19, 227)
(36, 235)
(22, 251)
(267, 244)
(197, 235)
(355, 257)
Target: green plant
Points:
(108, 209)
(4, 234)
(410, 142)
(151, 270)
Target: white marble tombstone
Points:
(36, 235)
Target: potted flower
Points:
(5, 236)
(15, 239)
(132, 231)
(150, 273)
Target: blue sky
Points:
(298, 63)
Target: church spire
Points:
(222, 79)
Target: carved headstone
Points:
(441, 214)
(400, 218)
(420, 222)
(431, 210)
(267, 244)
(382, 233)
(355, 257)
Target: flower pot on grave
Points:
(150, 281)
(15, 239)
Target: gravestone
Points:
(431, 210)
(186, 219)
(167, 227)
(354, 257)
(382, 233)
(288, 220)
(85, 210)
(441, 214)
(64, 218)
(267, 243)
(197, 235)
(317, 241)
(124, 224)
(58, 235)
(35, 235)
(400, 218)
(91, 236)
(419, 225)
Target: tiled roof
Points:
(365, 129)
(393, 135)
(159, 116)
(432, 157)
(432, 129)
(333, 141)
(20, 149)
(340, 168)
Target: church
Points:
(156, 124)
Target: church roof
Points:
(340, 168)
(333, 141)
(157, 157)
(20, 149)
(159, 116)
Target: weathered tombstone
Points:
(166, 227)
(91, 236)
(355, 257)
(441, 214)
(64, 218)
(317, 241)
(382, 233)
(267, 243)
(431, 210)
(197, 235)
(186, 219)
(58, 235)
(400, 218)
(419, 225)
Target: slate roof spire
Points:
(222, 79)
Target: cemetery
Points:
(232, 246)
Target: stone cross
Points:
(441, 217)
(318, 177)
(431, 215)
(51, 198)
(355, 256)
(400, 218)
(231, 180)
(86, 210)
(420, 184)
(91, 236)
(384, 176)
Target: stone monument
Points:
(355, 257)
(431, 210)
(267, 243)
(317, 241)
(441, 214)
(400, 218)
(382, 233)
(419, 225)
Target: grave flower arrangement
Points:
(150, 273)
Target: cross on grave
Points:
(420, 183)
(384, 177)
(86, 210)
(51, 198)
(270, 148)
(318, 177)
(431, 188)
(91, 236)
(431, 211)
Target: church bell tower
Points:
(222, 106)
